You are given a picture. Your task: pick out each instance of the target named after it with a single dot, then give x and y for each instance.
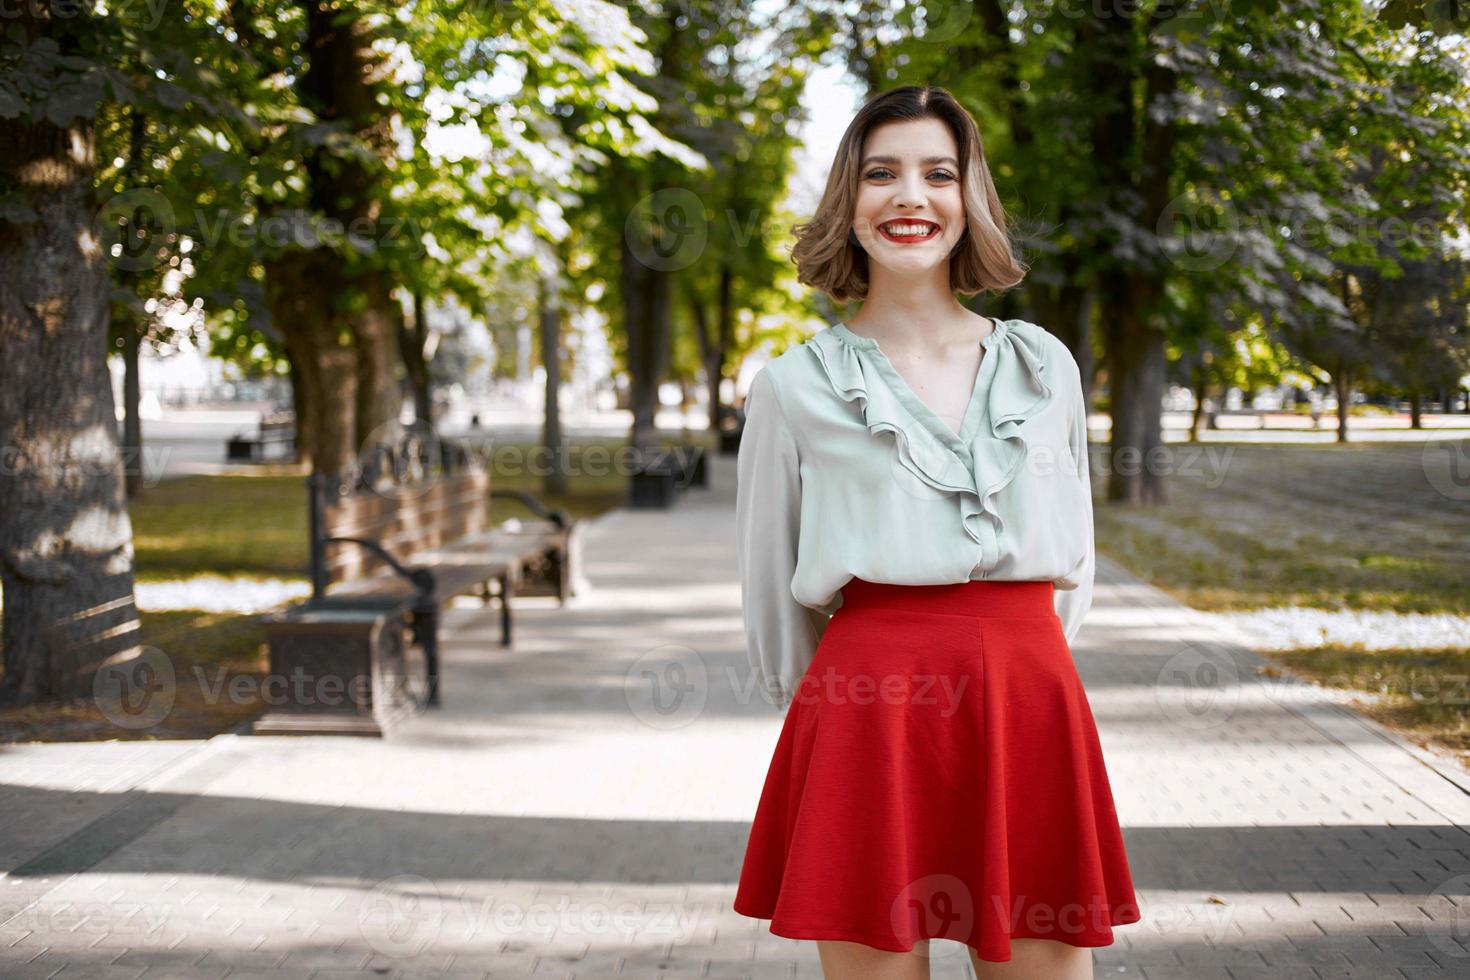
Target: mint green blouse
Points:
(843, 471)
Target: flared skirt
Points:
(939, 775)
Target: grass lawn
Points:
(1328, 527)
(1422, 694)
(255, 525)
(250, 525)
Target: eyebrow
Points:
(894, 161)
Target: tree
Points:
(65, 538)
(1166, 159)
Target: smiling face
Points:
(910, 210)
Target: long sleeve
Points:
(781, 633)
(1073, 604)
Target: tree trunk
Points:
(413, 341)
(708, 356)
(132, 442)
(66, 560)
(1201, 387)
(724, 338)
(300, 293)
(1342, 385)
(300, 395)
(551, 434)
(646, 313)
(132, 328)
(316, 300)
(1416, 409)
(375, 338)
(1136, 375)
(1129, 291)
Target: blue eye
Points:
(877, 174)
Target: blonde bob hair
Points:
(829, 257)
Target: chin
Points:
(912, 263)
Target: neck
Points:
(905, 310)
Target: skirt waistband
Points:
(977, 597)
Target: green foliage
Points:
(523, 141)
(1444, 16)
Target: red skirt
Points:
(939, 775)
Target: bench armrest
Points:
(554, 514)
(422, 578)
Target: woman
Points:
(916, 555)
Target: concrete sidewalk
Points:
(579, 808)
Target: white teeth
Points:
(906, 230)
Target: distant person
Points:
(915, 541)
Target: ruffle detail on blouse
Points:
(929, 449)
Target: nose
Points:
(909, 192)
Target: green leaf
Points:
(10, 105)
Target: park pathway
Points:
(564, 815)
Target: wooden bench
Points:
(660, 475)
(275, 431)
(384, 564)
(732, 425)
